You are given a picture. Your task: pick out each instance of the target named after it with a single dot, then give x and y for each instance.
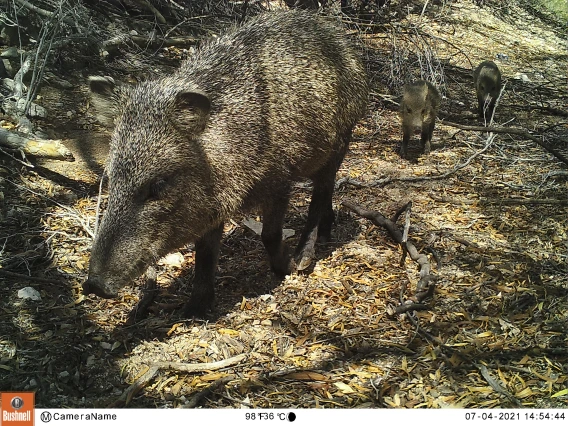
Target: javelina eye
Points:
(157, 188)
(408, 110)
(153, 190)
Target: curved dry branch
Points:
(182, 367)
(425, 286)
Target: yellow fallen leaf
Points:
(344, 388)
(174, 327)
(305, 375)
(228, 331)
(561, 393)
(211, 377)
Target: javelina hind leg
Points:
(206, 257)
(320, 207)
(328, 215)
(273, 212)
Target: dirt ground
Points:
(491, 213)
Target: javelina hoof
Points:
(282, 265)
(304, 263)
(305, 259)
(197, 308)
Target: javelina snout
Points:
(95, 285)
(418, 110)
(487, 81)
(268, 103)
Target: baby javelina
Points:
(418, 110)
(487, 80)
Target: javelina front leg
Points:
(273, 217)
(406, 132)
(426, 137)
(206, 257)
(481, 106)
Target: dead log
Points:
(425, 286)
(52, 148)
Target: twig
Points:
(514, 131)
(495, 385)
(11, 274)
(389, 179)
(159, 17)
(524, 201)
(42, 12)
(194, 401)
(74, 214)
(31, 166)
(407, 307)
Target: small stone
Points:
(29, 293)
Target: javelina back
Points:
(487, 80)
(418, 110)
(263, 105)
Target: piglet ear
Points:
(192, 110)
(106, 98)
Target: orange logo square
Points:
(17, 408)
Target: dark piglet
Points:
(418, 110)
(267, 103)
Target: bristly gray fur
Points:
(267, 103)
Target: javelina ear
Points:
(105, 97)
(192, 110)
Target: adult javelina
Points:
(418, 110)
(487, 80)
(265, 104)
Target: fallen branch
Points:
(513, 131)
(425, 286)
(182, 367)
(53, 149)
